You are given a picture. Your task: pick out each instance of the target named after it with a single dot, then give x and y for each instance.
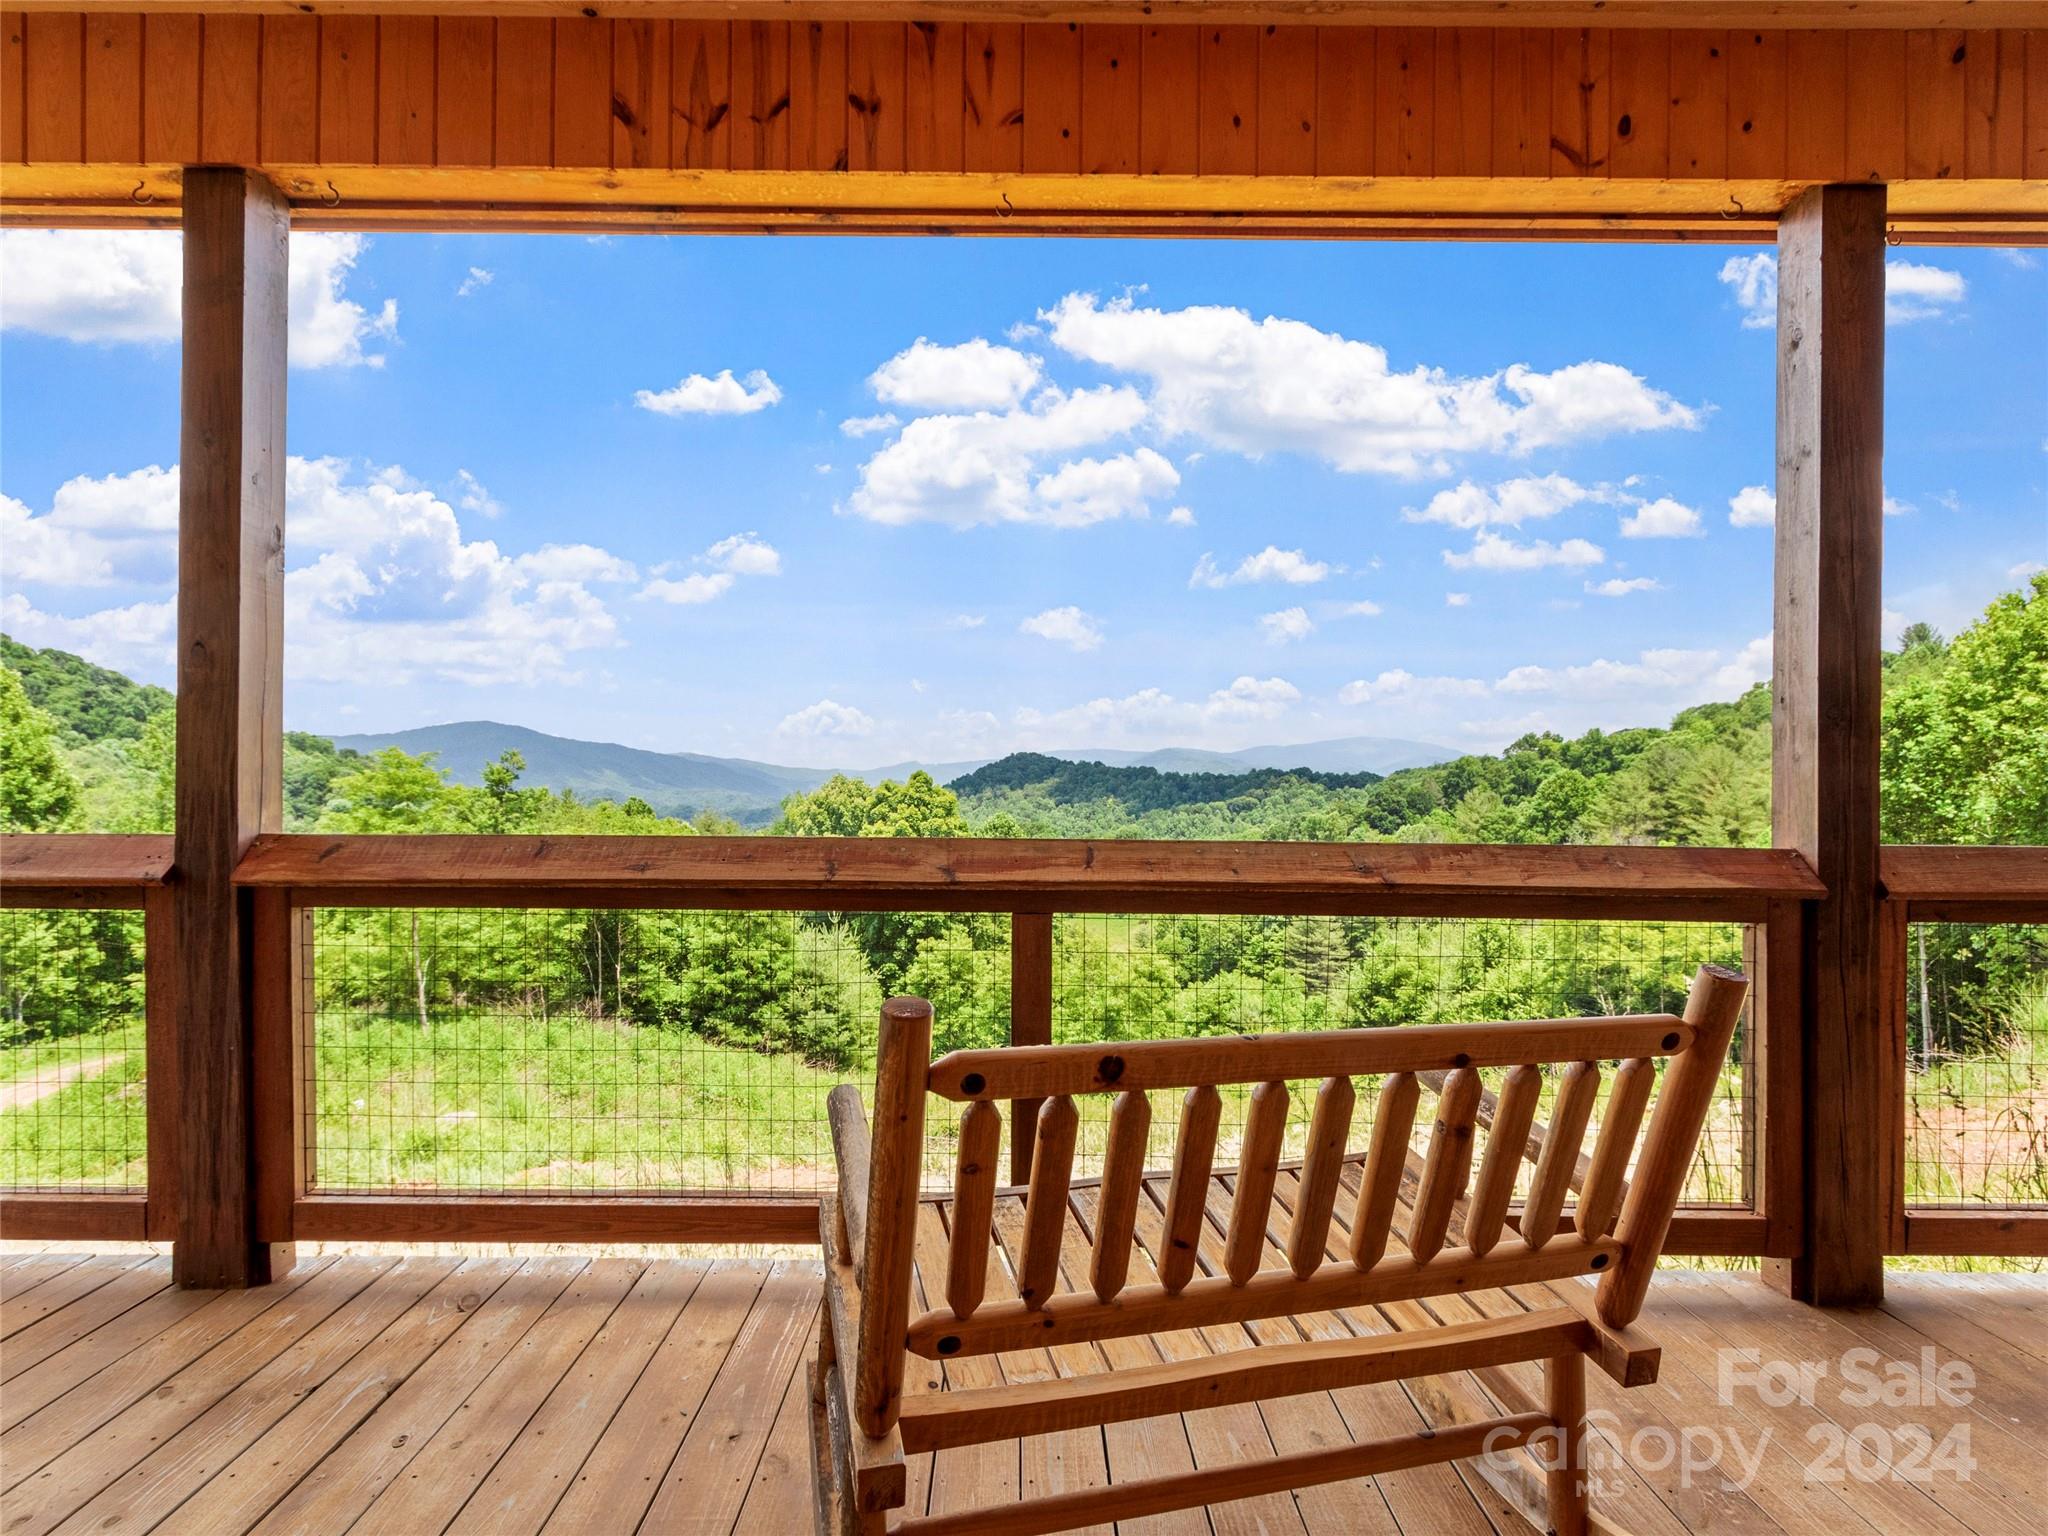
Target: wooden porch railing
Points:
(108, 871)
(1948, 885)
(285, 877)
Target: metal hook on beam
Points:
(139, 197)
(333, 200)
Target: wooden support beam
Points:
(1826, 702)
(230, 754)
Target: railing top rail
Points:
(1027, 875)
(75, 868)
(1926, 872)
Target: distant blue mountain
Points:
(685, 783)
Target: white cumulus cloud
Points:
(718, 571)
(98, 532)
(1067, 626)
(723, 395)
(868, 426)
(1916, 291)
(398, 592)
(1152, 715)
(389, 585)
(745, 554)
(1279, 385)
(1013, 466)
(1493, 552)
(691, 589)
(1289, 566)
(1084, 491)
(137, 638)
(826, 720)
(1508, 504)
(975, 375)
(1618, 586)
(1754, 282)
(575, 562)
(113, 286)
(1399, 683)
(1663, 518)
(1754, 506)
(471, 496)
(1286, 625)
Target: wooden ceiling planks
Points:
(1831, 14)
(409, 90)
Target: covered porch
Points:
(275, 1370)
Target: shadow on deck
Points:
(503, 1396)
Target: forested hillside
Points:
(1703, 780)
(1965, 760)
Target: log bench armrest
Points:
(873, 1464)
(852, 1152)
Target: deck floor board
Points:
(616, 1396)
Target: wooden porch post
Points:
(1827, 698)
(230, 755)
(1030, 1021)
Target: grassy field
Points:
(490, 1102)
(74, 1115)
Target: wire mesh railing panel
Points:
(632, 1052)
(612, 1052)
(1129, 977)
(1977, 1064)
(72, 1054)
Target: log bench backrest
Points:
(1458, 1239)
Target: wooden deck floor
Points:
(501, 1396)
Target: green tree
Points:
(393, 791)
(155, 756)
(1557, 811)
(502, 806)
(38, 792)
(848, 807)
(1964, 757)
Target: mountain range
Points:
(685, 783)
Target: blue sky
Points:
(1123, 494)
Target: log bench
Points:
(989, 1314)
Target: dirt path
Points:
(41, 1084)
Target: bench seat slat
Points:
(1273, 1293)
(1240, 1376)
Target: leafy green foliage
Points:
(844, 807)
(67, 971)
(1965, 754)
(38, 792)
(1705, 780)
(88, 703)
(1137, 790)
